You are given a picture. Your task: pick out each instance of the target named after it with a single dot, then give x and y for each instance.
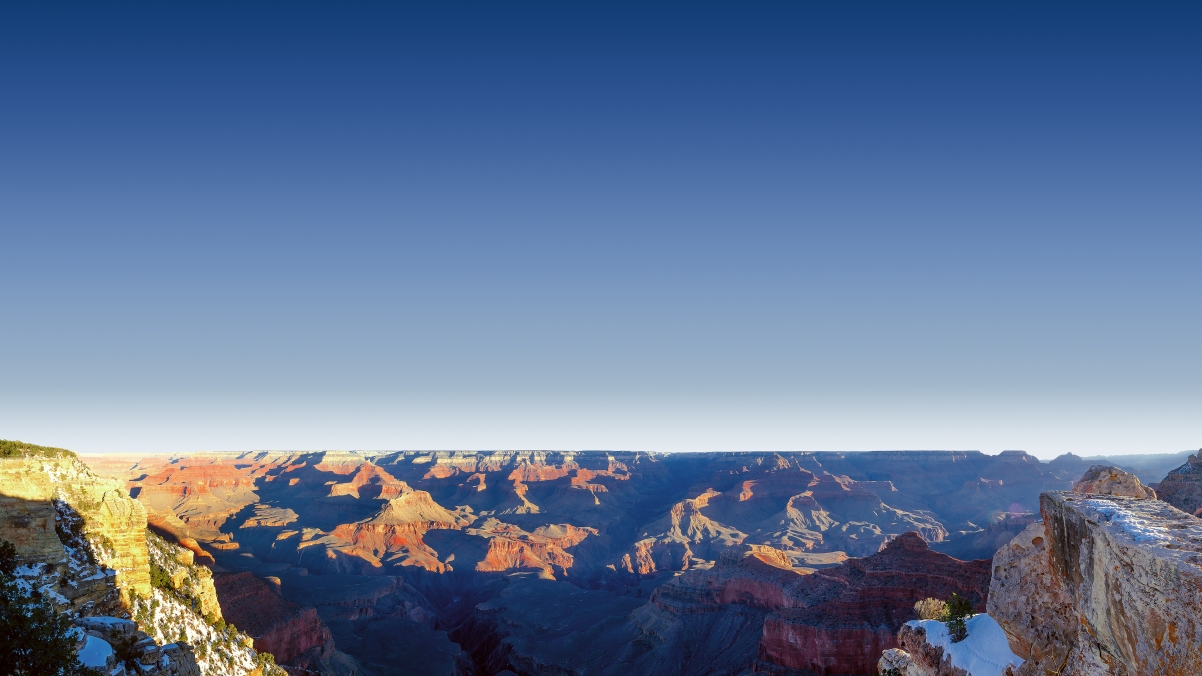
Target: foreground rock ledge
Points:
(1104, 585)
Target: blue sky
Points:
(696, 227)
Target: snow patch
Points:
(1140, 529)
(985, 652)
(95, 652)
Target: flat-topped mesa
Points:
(1182, 488)
(1105, 584)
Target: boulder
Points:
(1108, 480)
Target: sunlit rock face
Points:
(85, 549)
(1107, 480)
(29, 486)
(1182, 488)
(1106, 584)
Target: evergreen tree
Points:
(957, 610)
(33, 636)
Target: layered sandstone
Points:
(98, 569)
(394, 535)
(1182, 488)
(31, 482)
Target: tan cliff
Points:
(30, 482)
(87, 551)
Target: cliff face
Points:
(187, 579)
(277, 625)
(90, 544)
(1106, 584)
(842, 619)
(1182, 488)
(113, 523)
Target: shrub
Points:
(930, 609)
(958, 609)
(9, 449)
(34, 637)
(159, 577)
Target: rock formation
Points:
(277, 625)
(31, 482)
(1105, 584)
(926, 649)
(1182, 488)
(85, 547)
(841, 619)
(1108, 480)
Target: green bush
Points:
(930, 609)
(9, 449)
(33, 635)
(159, 577)
(958, 609)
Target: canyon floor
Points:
(590, 562)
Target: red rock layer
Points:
(371, 481)
(398, 528)
(842, 618)
(510, 548)
(277, 625)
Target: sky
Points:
(694, 227)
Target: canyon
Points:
(526, 562)
(590, 562)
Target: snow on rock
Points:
(927, 650)
(95, 653)
(1105, 584)
(985, 652)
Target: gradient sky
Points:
(517, 225)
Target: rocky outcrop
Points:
(98, 570)
(278, 626)
(926, 649)
(1109, 480)
(840, 620)
(186, 578)
(1182, 488)
(1106, 584)
(32, 481)
(393, 536)
(544, 550)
